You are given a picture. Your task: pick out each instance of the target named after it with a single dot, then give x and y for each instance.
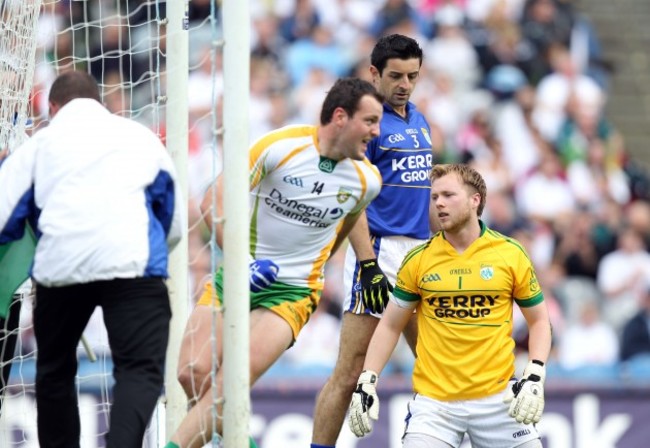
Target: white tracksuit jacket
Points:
(99, 191)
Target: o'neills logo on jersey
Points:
(299, 211)
(462, 306)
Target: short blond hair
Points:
(467, 174)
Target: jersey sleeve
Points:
(373, 184)
(527, 291)
(257, 163)
(406, 293)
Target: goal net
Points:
(124, 45)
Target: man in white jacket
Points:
(100, 193)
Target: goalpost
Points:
(139, 55)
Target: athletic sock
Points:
(171, 445)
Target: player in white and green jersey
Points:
(298, 200)
(463, 283)
(308, 186)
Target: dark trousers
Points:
(8, 338)
(136, 315)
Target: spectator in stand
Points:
(589, 341)
(594, 179)
(575, 249)
(585, 123)
(545, 25)
(636, 332)
(506, 46)
(450, 51)
(395, 12)
(319, 50)
(557, 89)
(637, 216)
(623, 277)
(521, 140)
(546, 182)
(300, 23)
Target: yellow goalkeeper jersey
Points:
(464, 303)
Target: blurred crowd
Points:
(516, 88)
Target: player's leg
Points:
(136, 314)
(270, 336)
(198, 346)
(60, 316)
(357, 328)
(334, 398)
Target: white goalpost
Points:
(177, 143)
(236, 335)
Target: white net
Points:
(122, 44)
(18, 21)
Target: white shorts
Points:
(390, 251)
(485, 421)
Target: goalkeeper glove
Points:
(374, 286)
(526, 397)
(364, 407)
(263, 273)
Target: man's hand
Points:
(263, 273)
(364, 407)
(526, 397)
(374, 286)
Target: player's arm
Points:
(364, 405)
(349, 223)
(386, 335)
(539, 330)
(526, 396)
(374, 283)
(360, 238)
(214, 197)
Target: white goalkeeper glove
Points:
(526, 397)
(364, 407)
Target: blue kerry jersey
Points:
(403, 155)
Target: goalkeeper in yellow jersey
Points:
(463, 283)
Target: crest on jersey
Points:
(426, 135)
(343, 194)
(487, 272)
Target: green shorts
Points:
(295, 304)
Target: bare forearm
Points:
(539, 341)
(360, 239)
(386, 336)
